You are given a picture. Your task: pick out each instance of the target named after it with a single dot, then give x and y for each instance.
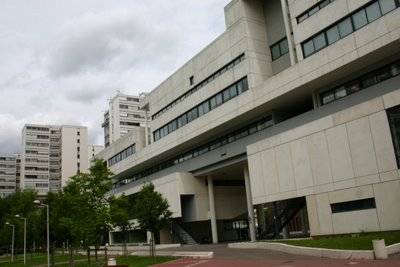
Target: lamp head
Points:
(37, 202)
(7, 223)
(17, 216)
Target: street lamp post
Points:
(23, 218)
(12, 242)
(37, 202)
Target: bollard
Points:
(379, 249)
(111, 262)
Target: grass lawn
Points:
(361, 241)
(80, 261)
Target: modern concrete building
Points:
(293, 112)
(8, 175)
(123, 115)
(51, 154)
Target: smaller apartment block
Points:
(50, 155)
(123, 115)
(8, 175)
(293, 112)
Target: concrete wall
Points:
(345, 156)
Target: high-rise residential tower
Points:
(8, 175)
(51, 154)
(123, 115)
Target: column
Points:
(146, 129)
(288, 30)
(250, 209)
(261, 219)
(304, 223)
(212, 209)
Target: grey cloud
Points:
(110, 41)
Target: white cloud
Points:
(62, 62)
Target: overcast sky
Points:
(61, 60)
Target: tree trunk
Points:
(71, 255)
(152, 246)
(125, 244)
(53, 249)
(95, 255)
(88, 254)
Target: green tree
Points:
(152, 211)
(86, 205)
(120, 216)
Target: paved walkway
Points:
(230, 257)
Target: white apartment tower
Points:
(123, 115)
(8, 175)
(50, 155)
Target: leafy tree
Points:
(120, 216)
(86, 205)
(152, 211)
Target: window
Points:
(354, 205)
(358, 19)
(362, 82)
(394, 123)
(207, 80)
(312, 10)
(209, 104)
(279, 49)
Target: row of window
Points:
(36, 169)
(279, 49)
(37, 144)
(312, 10)
(122, 155)
(214, 144)
(35, 128)
(132, 99)
(354, 205)
(207, 80)
(348, 25)
(360, 83)
(36, 177)
(7, 159)
(203, 108)
(128, 123)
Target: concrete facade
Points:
(305, 116)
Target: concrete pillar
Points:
(262, 225)
(212, 209)
(250, 209)
(146, 129)
(303, 216)
(288, 29)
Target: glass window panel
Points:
(206, 107)
(387, 5)
(244, 85)
(323, 4)
(308, 48)
(369, 80)
(226, 95)
(332, 34)
(275, 52)
(394, 123)
(232, 91)
(302, 18)
(189, 116)
(360, 19)
(201, 110)
(352, 87)
(219, 99)
(373, 12)
(313, 11)
(213, 102)
(184, 119)
(284, 46)
(195, 114)
(319, 41)
(395, 69)
(345, 27)
(340, 92)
